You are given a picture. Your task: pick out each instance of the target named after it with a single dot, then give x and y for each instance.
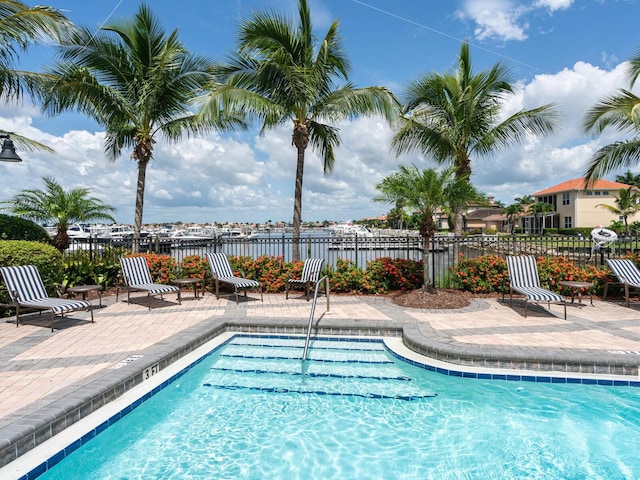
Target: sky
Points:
(571, 53)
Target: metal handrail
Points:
(324, 279)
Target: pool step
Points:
(333, 368)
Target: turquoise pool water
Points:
(253, 410)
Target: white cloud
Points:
(505, 20)
(499, 19)
(554, 5)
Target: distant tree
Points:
(525, 200)
(626, 205)
(513, 212)
(539, 210)
(454, 118)
(619, 111)
(629, 179)
(59, 207)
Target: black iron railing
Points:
(443, 250)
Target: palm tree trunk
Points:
(297, 205)
(426, 283)
(137, 220)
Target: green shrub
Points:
(86, 268)
(16, 228)
(46, 259)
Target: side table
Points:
(180, 282)
(84, 289)
(576, 290)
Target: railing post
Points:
(283, 247)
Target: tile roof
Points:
(578, 184)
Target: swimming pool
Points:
(252, 409)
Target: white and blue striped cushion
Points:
(221, 268)
(524, 279)
(310, 271)
(137, 275)
(625, 270)
(135, 271)
(26, 288)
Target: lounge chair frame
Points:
(136, 277)
(627, 274)
(311, 271)
(27, 292)
(222, 273)
(524, 279)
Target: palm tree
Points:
(618, 111)
(626, 205)
(20, 27)
(539, 210)
(456, 117)
(139, 83)
(279, 74)
(629, 179)
(60, 207)
(525, 200)
(427, 192)
(512, 212)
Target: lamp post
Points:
(8, 153)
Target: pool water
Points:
(254, 410)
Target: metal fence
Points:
(443, 250)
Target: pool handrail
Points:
(324, 280)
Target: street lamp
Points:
(8, 153)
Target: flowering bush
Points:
(346, 277)
(194, 266)
(162, 267)
(484, 274)
(385, 274)
(488, 274)
(553, 270)
(271, 272)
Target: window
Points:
(605, 193)
(565, 198)
(567, 222)
(589, 193)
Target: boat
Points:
(350, 230)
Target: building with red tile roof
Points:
(578, 206)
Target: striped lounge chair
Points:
(310, 275)
(627, 274)
(222, 273)
(27, 291)
(137, 277)
(524, 279)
